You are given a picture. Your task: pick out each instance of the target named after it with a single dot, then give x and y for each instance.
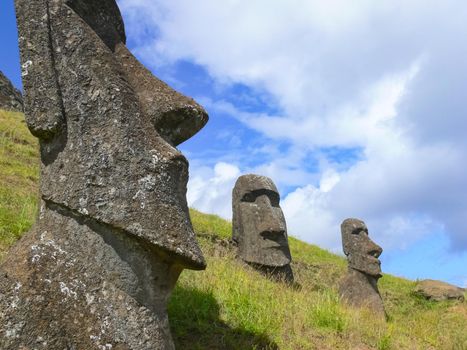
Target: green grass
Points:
(210, 225)
(230, 306)
(19, 171)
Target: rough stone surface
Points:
(10, 97)
(259, 228)
(114, 231)
(359, 286)
(439, 291)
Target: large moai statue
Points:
(258, 227)
(359, 287)
(113, 233)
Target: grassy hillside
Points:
(19, 174)
(230, 306)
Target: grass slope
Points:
(19, 174)
(230, 306)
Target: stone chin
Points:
(366, 264)
(373, 270)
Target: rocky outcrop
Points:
(114, 232)
(259, 228)
(438, 290)
(10, 97)
(359, 287)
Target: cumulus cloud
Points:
(210, 189)
(309, 216)
(386, 78)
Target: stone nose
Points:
(181, 121)
(176, 117)
(271, 221)
(373, 249)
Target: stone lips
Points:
(10, 97)
(258, 226)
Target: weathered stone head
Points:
(258, 223)
(114, 232)
(107, 127)
(362, 253)
(359, 286)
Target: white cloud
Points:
(315, 214)
(308, 215)
(210, 190)
(365, 122)
(387, 77)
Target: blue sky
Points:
(354, 110)
(9, 53)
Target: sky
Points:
(354, 109)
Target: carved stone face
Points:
(258, 222)
(361, 251)
(107, 127)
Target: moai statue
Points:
(258, 227)
(359, 287)
(113, 232)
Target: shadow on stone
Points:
(195, 323)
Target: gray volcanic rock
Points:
(259, 228)
(114, 232)
(359, 287)
(10, 97)
(438, 290)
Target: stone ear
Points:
(42, 101)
